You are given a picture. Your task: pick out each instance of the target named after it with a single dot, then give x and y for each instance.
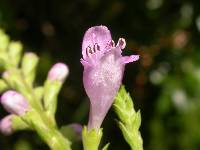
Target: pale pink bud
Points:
(103, 71)
(77, 128)
(58, 72)
(14, 102)
(6, 125)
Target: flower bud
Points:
(58, 72)
(29, 64)
(3, 85)
(14, 103)
(72, 131)
(4, 40)
(6, 125)
(14, 52)
(77, 128)
(53, 84)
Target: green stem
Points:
(31, 94)
(44, 125)
(49, 133)
(53, 138)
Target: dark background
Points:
(165, 83)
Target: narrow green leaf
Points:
(106, 146)
(130, 120)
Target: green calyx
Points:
(91, 138)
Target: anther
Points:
(121, 43)
(112, 43)
(88, 50)
(96, 47)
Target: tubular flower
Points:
(103, 71)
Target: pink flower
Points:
(103, 71)
(14, 103)
(59, 72)
(6, 125)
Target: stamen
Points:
(121, 43)
(112, 43)
(96, 47)
(89, 50)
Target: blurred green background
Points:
(165, 83)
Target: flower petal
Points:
(97, 35)
(128, 59)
